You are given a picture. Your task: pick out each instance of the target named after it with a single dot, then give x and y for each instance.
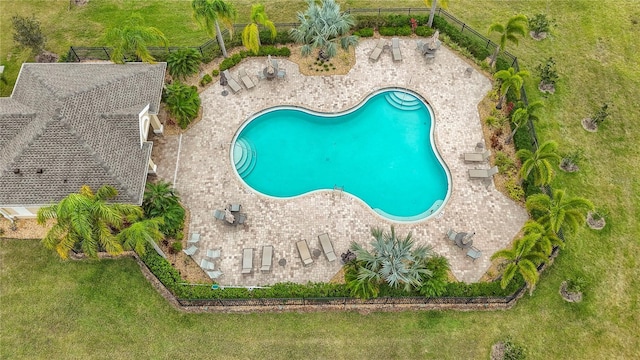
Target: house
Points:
(67, 125)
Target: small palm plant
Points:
(539, 162)
(523, 258)
(510, 80)
(517, 25)
(210, 13)
(184, 62)
(133, 38)
(183, 103)
(251, 33)
(559, 212)
(547, 239)
(521, 116)
(393, 260)
(322, 26)
(162, 200)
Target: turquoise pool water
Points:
(381, 151)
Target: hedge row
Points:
(171, 279)
(234, 59)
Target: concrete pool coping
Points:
(206, 179)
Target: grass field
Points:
(106, 309)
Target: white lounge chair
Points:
(207, 265)
(267, 256)
(247, 261)
(214, 274)
(231, 82)
(474, 253)
(190, 250)
(193, 239)
(483, 173)
(246, 80)
(281, 73)
(213, 254)
(375, 53)
(395, 49)
(327, 247)
(303, 250)
(219, 214)
(477, 156)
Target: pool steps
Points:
(403, 101)
(244, 157)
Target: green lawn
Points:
(106, 309)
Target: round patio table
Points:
(269, 76)
(460, 237)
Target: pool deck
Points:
(206, 179)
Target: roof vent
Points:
(16, 171)
(39, 171)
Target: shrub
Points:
(161, 268)
(387, 31)
(364, 32)
(436, 284)
(205, 80)
(27, 32)
(513, 351)
(183, 62)
(368, 21)
(539, 23)
(516, 192)
(547, 72)
(215, 72)
(404, 30)
(504, 162)
(424, 31)
(183, 103)
(176, 247)
(233, 60)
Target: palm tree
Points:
(183, 102)
(133, 38)
(137, 235)
(523, 115)
(523, 258)
(434, 3)
(516, 25)
(363, 288)
(540, 162)
(321, 27)
(86, 220)
(547, 240)
(162, 200)
(184, 62)
(251, 33)
(559, 212)
(208, 12)
(393, 260)
(510, 79)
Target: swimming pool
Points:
(380, 151)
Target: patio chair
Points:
(261, 75)
(219, 214)
(207, 265)
(420, 46)
(246, 80)
(395, 49)
(213, 253)
(483, 173)
(327, 247)
(375, 53)
(241, 218)
(281, 73)
(247, 261)
(305, 254)
(234, 207)
(477, 156)
(451, 234)
(190, 250)
(267, 257)
(231, 82)
(214, 274)
(474, 253)
(193, 239)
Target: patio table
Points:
(459, 240)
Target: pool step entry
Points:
(244, 157)
(403, 100)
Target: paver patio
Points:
(206, 179)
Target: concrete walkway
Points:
(206, 178)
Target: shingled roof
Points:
(79, 124)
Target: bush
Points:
(424, 31)
(183, 103)
(504, 162)
(539, 23)
(513, 351)
(215, 73)
(547, 72)
(364, 32)
(516, 192)
(502, 64)
(387, 31)
(176, 247)
(27, 33)
(205, 80)
(161, 268)
(368, 21)
(233, 60)
(404, 31)
(183, 62)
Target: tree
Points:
(523, 258)
(363, 288)
(522, 116)
(516, 25)
(547, 240)
(183, 103)
(540, 162)
(137, 235)
(434, 3)
(132, 38)
(184, 62)
(393, 260)
(510, 80)
(85, 220)
(559, 212)
(27, 32)
(322, 27)
(251, 33)
(208, 14)
(162, 200)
